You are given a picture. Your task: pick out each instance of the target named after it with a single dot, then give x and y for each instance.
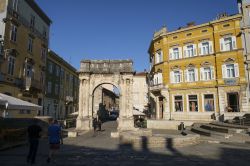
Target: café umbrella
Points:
(12, 103)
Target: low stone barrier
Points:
(140, 141)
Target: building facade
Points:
(24, 40)
(140, 91)
(61, 95)
(244, 9)
(198, 72)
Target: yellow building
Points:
(24, 36)
(197, 72)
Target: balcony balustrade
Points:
(156, 87)
(32, 84)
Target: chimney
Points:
(190, 24)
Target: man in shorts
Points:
(55, 139)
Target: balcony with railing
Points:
(156, 87)
(69, 99)
(32, 84)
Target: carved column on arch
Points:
(126, 120)
(83, 120)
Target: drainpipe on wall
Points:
(217, 87)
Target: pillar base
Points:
(126, 123)
(83, 123)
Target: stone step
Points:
(221, 129)
(200, 131)
(229, 125)
(210, 133)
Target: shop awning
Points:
(12, 103)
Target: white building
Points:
(244, 9)
(140, 91)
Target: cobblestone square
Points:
(91, 150)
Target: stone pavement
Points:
(100, 149)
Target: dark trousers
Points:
(33, 149)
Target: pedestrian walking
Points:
(55, 139)
(94, 124)
(34, 131)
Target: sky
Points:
(121, 29)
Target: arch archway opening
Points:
(105, 103)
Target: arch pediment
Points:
(206, 63)
(229, 60)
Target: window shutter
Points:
(211, 51)
(160, 78)
(186, 75)
(195, 50)
(236, 69)
(180, 52)
(196, 74)
(234, 42)
(200, 50)
(171, 77)
(161, 56)
(201, 73)
(224, 71)
(171, 53)
(221, 44)
(181, 73)
(154, 82)
(185, 51)
(156, 58)
(212, 72)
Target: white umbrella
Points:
(13, 103)
(135, 112)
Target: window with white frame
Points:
(193, 103)
(178, 103)
(158, 78)
(205, 48)
(208, 102)
(158, 56)
(228, 43)
(190, 50)
(30, 44)
(191, 75)
(13, 33)
(176, 76)
(11, 65)
(175, 53)
(206, 73)
(230, 70)
(49, 87)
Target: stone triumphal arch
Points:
(94, 73)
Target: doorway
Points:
(161, 107)
(233, 102)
